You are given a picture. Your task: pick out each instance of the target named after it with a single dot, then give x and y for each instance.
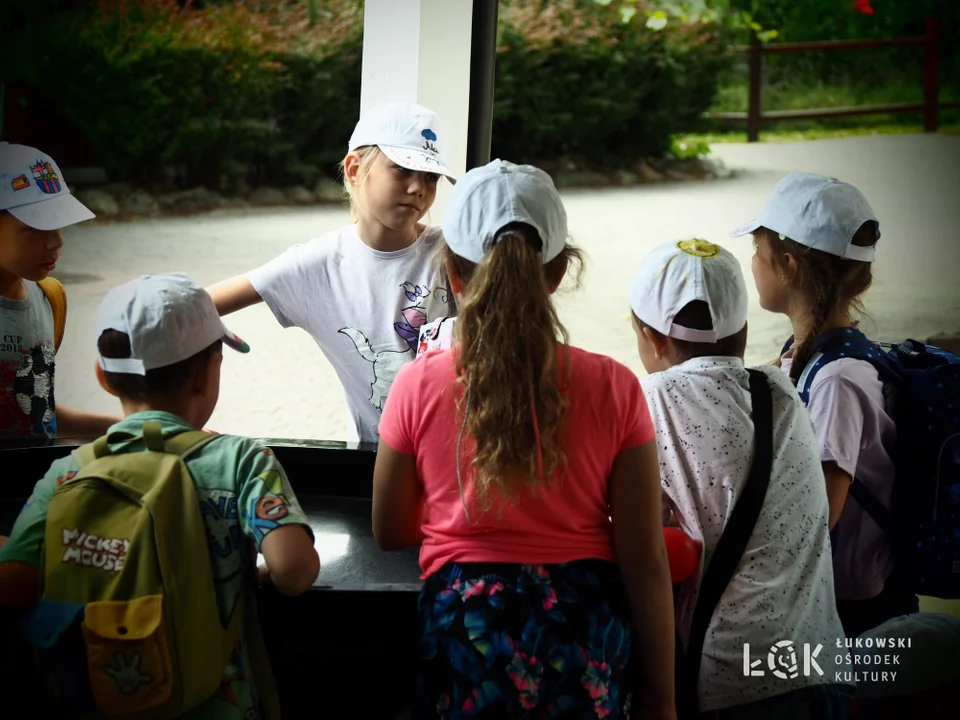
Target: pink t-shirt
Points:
(606, 413)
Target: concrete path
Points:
(286, 388)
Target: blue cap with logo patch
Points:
(33, 190)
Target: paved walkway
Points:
(286, 388)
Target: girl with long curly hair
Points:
(526, 467)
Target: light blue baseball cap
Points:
(499, 193)
(33, 190)
(819, 212)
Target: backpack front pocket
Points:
(127, 654)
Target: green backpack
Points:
(132, 626)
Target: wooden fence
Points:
(930, 107)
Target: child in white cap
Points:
(689, 307)
(507, 455)
(35, 206)
(160, 350)
(815, 241)
(364, 291)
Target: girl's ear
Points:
(456, 282)
(351, 168)
(554, 283)
(792, 269)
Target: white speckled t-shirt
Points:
(783, 588)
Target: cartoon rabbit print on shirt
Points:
(387, 363)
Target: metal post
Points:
(483, 60)
(931, 77)
(755, 70)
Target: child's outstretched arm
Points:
(292, 561)
(234, 294)
(81, 424)
(21, 554)
(635, 507)
(274, 520)
(398, 508)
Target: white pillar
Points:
(419, 51)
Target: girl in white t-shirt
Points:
(815, 242)
(364, 291)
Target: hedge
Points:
(257, 90)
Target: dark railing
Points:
(930, 106)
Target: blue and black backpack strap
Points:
(844, 343)
(851, 343)
(786, 346)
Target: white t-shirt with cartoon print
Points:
(363, 307)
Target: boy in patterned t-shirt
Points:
(160, 352)
(35, 206)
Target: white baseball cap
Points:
(168, 318)
(32, 189)
(819, 212)
(408, 134)
(677, 273)
(497, 194)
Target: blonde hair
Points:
(368, 156)
(825, 282)
(508, 332)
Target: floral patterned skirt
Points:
(499, 640)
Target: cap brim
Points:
(56, 213)
(234, 342)
(417, 160)
(745, 230)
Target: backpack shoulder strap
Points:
(188, 442)
(57, 297)
(734, 538)
(851, 343)
(99, 448)
(184, 444)
(786, 346)
(843, 343)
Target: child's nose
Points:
(54, 240)
(418, 184)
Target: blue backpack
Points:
(923, 383)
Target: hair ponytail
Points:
(507, 334)
(824, 300)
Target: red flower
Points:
(863, 6)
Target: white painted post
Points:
(419, 51)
